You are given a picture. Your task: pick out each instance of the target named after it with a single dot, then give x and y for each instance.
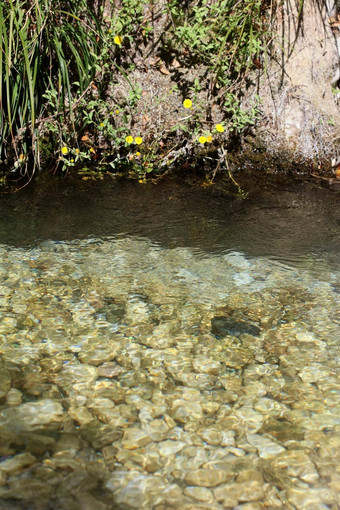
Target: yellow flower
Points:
(187, 103)
(101, 124)
(77, 151)
(129, 139)
(92, 150)
(219, 128)
(202, 139)
(117, 111)
(109, 30)
(209, 139)
(64, 150)
(118, 40)
(137, 153)
(138, 140)
(72, 160)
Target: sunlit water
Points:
(165, 347)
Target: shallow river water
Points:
(165, 347)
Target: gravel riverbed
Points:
(139, 377)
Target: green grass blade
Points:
(28, 71)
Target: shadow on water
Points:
(288, 224)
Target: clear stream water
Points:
(168, 347)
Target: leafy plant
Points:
(48, 58)
(227, 37)
(128, 19)
(58, 60)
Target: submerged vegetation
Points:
(80, 82)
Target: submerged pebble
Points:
(223, 326)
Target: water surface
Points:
(117, 388)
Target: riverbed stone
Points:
(311, 497)
(207, 477)
(139, 492)
(239, 492)
(81, 415)
(200, 494)
(248, 419)
(97, 355)
(14, 397)
(135, 438)
(26, 490)
(88, 502)
(249, 506)
(5, 380)
(212, 436)
(100, 434)
(237, 259)
(266, 447)
(17, 463)
(32, 416)
(183, 411)
(269, 406)
(297, 464)
(170, 448)
(109, 369)
(76, 378)
(222, 326)
(282, 430)
(202, 364)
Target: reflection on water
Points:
(286, 224)
(166, 348)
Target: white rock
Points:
(267, 449)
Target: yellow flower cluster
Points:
(187, 103)
(66, 150)
(205, 139)
(138, 140)
(208, 139)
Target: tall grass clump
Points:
(48, 58)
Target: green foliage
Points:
(58, 60)
(240, 117)
(48, 57)
(128, 19)
(225, 34)
(227, 37)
